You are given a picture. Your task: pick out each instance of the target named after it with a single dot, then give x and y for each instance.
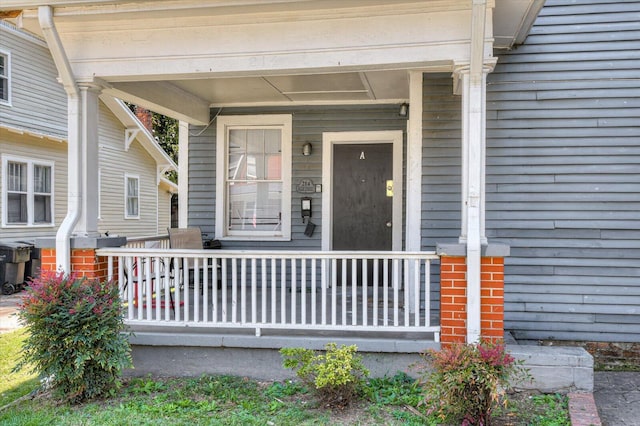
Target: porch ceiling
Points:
(339, 87)
(267, 51)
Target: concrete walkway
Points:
(617, 396)
(615, 400)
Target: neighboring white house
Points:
(134, 193)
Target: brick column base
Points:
(84, 262)
(453, 299)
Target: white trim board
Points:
(329, 139)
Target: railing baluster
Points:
(196, 289)
(323, 286)
(234, 290)
(293, 290)
(365, 291)
(354, 291)
(376, 277)
(156, 284)
(178, 280)
(274, 274)
(396, 288)
(385, 296)
(254, 285)
(166, 285)
(243, 290)
(205, 289)
(214, 289)
(427, 293)
(223, 304)
(334, 285)
(313, 291)
(344, 265)
(303, 291)
(283, 291)
(407, 289)
(263, 270)
(185, 286)
(416, 286)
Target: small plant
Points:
(337, 375)
(468, 381)
(75, 335)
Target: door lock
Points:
(389, 224)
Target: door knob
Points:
(389, 224)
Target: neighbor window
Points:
(27, 192)
(4, 77)
(132, 197)
(254, 177)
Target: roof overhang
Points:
(180, 58)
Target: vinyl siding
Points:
(115, 162)
(29, 147)
(38, 101)
(563, 173)
(441, 169)
(308, 125)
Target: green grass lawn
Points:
(230, 400)
(13, 385)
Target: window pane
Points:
(42, 209)
(255, 154)
(237, 154)
(255, 206)
(4, 79)
(132, 197)
(42, 179)
(17, 177)
(17, 209)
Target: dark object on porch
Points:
(13, 256)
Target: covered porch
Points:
(223, 69)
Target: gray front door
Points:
(362, 205)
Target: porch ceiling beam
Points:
(164, 98)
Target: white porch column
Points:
(473, 81)
(413, 234)
(183, 174)
(87, 225)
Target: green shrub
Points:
(336, 376)
(75, 335)
(468, 381)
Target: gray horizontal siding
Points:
(563, 164)
(38, 101)
(308, 125)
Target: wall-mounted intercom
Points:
(305, 208)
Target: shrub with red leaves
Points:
(75, 337)
(466, 382)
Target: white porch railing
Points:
(341, 291)
(160, 241)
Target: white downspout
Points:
(74, 155)
(476, 136)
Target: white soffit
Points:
(512, 20)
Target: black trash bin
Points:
(32, 266)
(16, 255)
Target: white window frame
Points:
(273, 121)
(128, 176)
(30, 162)
(6, 76)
